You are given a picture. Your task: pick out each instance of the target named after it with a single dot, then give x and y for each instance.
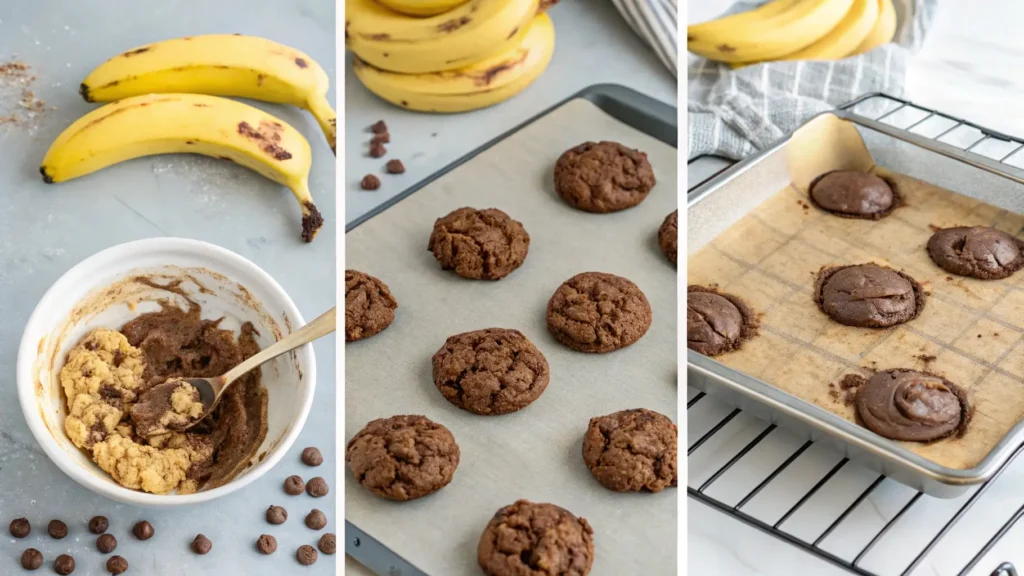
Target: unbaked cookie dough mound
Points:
(154, 470)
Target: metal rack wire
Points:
(966, 136)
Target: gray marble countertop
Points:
(45, 230)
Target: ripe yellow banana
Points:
(884, 29)
(485, 83)
(844, 38)
(466, 34)
(218, 65)
(186, 123)
(421, 7)
(787, 28)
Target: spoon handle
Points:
(322, 326)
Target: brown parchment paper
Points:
(970, 330)
(535, 453)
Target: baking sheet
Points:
(535, 453)
(972, 328)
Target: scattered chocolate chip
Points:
(328, 543)
(31, 559)
(316, 520)
(57, 529)
(379, 127)
(395, 167)
(117, 565)
(64, 565)
(276, 515)
(106, 543)
(370, 182)
(377, 150)
(384, 138)
(143, 530)
(317, 487)
(98, 524)
(266, 544)
(20, 527)
(312, 457)
(201, 545)
(294, 485)
(306, 555)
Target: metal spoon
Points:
(212, 389)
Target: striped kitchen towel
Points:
(733, 113)
(656, 22)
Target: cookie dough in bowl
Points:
(138, 317)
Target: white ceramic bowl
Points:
(98, 293)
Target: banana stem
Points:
(325, 116)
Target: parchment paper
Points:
(970, 330)
(535, 453)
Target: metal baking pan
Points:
(543, 462)
(745, 185)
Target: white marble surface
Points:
(969, 67)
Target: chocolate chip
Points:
(276, 515)
(316, 520)
(317, 487)
(91, 345)
(117, 565)
(98, 524)
(106, 543)
(31, 559)
(395, 167)
(370, 182)
(143, 530)
(20, 527)
(57, 529)
(377, 150)
(201, 545)
(328, 543)
(294, 485)
(118, 358)
(64, 565)
(312, 457)
(379, 127)
(266, 544)
(384, 138)
(306, 555)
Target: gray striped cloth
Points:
(655, 21)
(733, 113)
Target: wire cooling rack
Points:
(873, 512)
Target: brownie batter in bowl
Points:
(979, 252)
(868, 295)
(854, 194)
(912, 406)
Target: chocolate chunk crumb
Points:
(266, 544)
(106, 543)
(31, 559)
(311, 456)
(98, 524)
(379, 127)
(306, 555)
(370, 182)
(294, 485)
(377, 150)
(201, 545)
(57, 529)
(276, 515)
(316, 520)
(117, 565)
(143, 530)
(395, 167)
(64, 565)
(20, 527)
(328, 543)
(317, 487)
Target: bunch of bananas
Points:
(167, 97)
(795, 30)
(448, 55)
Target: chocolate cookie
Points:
(668, 236)
(493, 371)
(479, 244)
(717, 322)
(979, 252)
(603, 177)
(632, 451)
(403, 457)
(911, 405)
(369, 306)
(868, 295)
(535, 539)
(598, 312)
(854, 194)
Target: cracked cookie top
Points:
(598, 312)
(668, 236)
(369, 306)
(535, 539)
(603, 177)
(403, 457)
(492, 371)
(479, 244)
(717, 322)
(632, 451)
(978, 252)
(868, 295)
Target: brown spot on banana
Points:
(136, 52)
(379, 37)
(513, 33)
(260, 78)
(312, 221)
(83, 89)
(301, 63)
(487, 76)
(268, 136)
(726, 49)
(454, 24)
